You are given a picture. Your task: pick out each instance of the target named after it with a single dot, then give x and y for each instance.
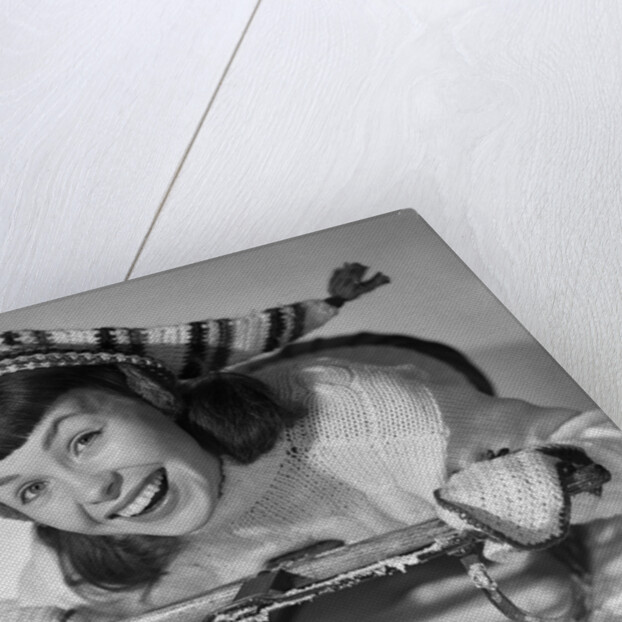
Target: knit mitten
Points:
(521, 499)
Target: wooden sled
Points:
(289, 582)
(330, 566)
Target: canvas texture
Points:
(417, 401)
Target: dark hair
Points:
(26, 396)
(226, 413)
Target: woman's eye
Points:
(32, 491)
(82, 441)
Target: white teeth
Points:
(143, 499)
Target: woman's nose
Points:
(98, 487)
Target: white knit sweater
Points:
(376, 441)
(363, 461)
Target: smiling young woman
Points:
(150, 488)
(111, 481)
(101, 463)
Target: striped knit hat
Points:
(177, 351)
(183, 351)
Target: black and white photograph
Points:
(310, 311)
(342, 426)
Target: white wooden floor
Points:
(140, 136)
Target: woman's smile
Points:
(102, 463)
(149, 496)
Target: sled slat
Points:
(319, 567)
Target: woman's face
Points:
(103, 464)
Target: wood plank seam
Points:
(195, 134)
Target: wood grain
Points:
(98, 103)
(499, 122)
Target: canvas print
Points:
(343, 426)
